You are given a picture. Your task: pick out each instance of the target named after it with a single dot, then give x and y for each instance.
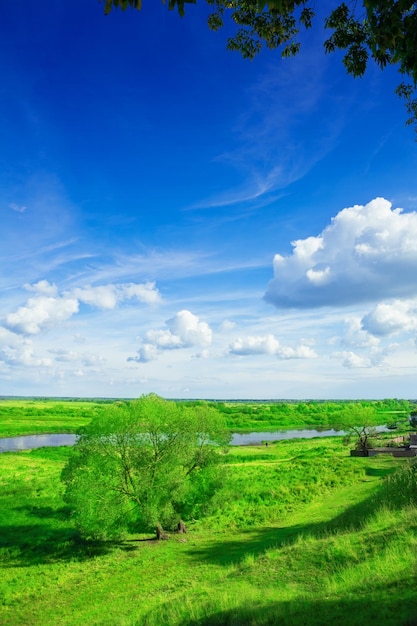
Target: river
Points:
(29, 442)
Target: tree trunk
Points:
(181, 527)
(160, 533)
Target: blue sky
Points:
(176, 219)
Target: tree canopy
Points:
(143, 464)
(384, 31)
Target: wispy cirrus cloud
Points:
(276, 139)
(19, 208)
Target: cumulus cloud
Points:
(184, 330)
(42, 287)
(268, 344)
(352, 360)
(108, 296)
(390, 318)
(147, 352)
(23, 356)
(204, 354)
(356, 336)
(39, 313)
(190, 330)
(366, 253)
(18, 350)
(254, 345)
(47, 308)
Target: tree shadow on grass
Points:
(34, 544)
(43, 512)
(49, 539)
(256, 541)
(398, 610)
(378, 471)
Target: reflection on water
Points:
(245, 439)
(10, 444)
(28, 442)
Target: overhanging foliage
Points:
(382, 30)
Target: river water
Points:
(28, 442)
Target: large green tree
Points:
(142, 465)
(382, 30)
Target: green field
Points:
(300, 534)
(36, 417)
(39, 416)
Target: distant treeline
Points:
(24, 416)
(337, 413)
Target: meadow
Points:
(301, 533)
(45, 416)
(32, 416)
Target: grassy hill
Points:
(301, 534)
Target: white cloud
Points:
(18, 351)
(92, 360)
(254, 345)
(190, 330)
(23, 356)
(366, 253)
(65, 356)
(39, 313)
(227, 325)
(185, 330)
(42, 287)
(163, 339)
(353, 360)
(19, 208)
(204, 354)
(268, 344)
(390, 318)
(356, 336)
(373, 358)
(147, 352)
(146, 292)
(108, 296)
(301, 352)
(47, 309)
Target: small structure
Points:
(406, 451)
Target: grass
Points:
(305, 535)
(42, 416)
(35, 417)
